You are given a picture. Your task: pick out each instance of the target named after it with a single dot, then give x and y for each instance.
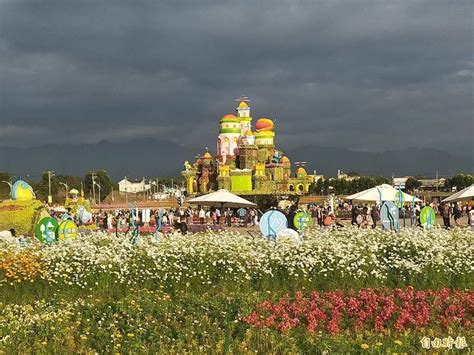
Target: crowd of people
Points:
(363, 216)
(229, 217)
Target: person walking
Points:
(202, 215)
(375, 214)
(457, 213)
(314, 215)
(214, 217)
(228, 217)
(444, 212)
(320, 216)
(354, 213)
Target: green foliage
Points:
(101, 178)
(58, 190)
(412, 184)
(460, 181)
(20, 215)
(4, 188)
(346, 187)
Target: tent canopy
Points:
(222, 199)
(382, 192)
(464, 194)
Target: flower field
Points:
(342, 290)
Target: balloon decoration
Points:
(289, 233)
(427, 217)
(46, 230)
(22, 191)
(84, 215)
(302, 221)
(158, 225)
(399, 199)
(135, 233)
(272, 222)
(67, 230)
(389, 215)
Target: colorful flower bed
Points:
(229, 292)
(374, 310)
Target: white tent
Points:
(382, 192)
(222, 199)
(464, 194)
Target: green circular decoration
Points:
(46, 229)
(399, 199)
(302, 220)
(427, 216)
(67, 230)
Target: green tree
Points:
(317, 187)
(101, 179)
(4, 188)
(460, 181)
(41, 187)
(412, 184)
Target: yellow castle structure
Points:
(247, 162)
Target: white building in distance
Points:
(127, 186)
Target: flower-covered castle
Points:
(247, 162)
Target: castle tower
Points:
(286, 167)
(229, 135)
(243, 113)
(264, 139)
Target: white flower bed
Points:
(209, 257)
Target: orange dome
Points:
(207, 155)
(264, 124)
(243, 104)
(285, 159)
(248, 133)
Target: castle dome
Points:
(207, 155)
(301, 171)
(243, 104)
(285, 160)
(230, 118)
(248, 133)
(264, 124)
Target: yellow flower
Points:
(364, 346)
(378, 344)
(44, 343)
(130, 335)
(398, 342)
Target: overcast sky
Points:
(366, 75)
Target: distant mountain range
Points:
(149, 157)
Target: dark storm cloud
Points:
(368, 75)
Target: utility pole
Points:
(50, 198)
(437, 181)
(65, 186)
(93, 176)
(99, 192)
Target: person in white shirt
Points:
(202, 215)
